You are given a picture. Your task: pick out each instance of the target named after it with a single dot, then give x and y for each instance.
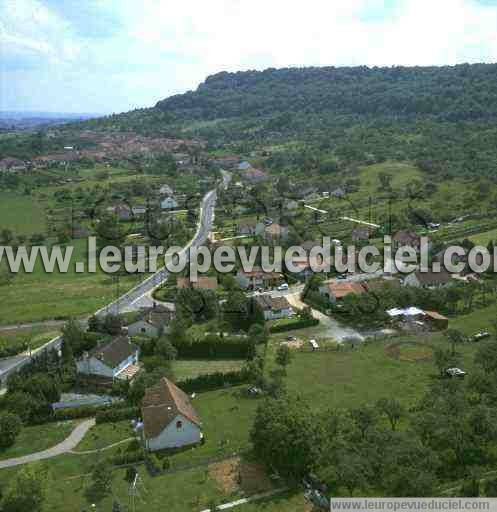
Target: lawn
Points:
(37, 438)
(105, 434)
(191, 368)
(480, 319)
(226, 416)
(188, 490)
(352, 378)
(21, 213)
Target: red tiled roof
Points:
(162, 403)
(340, 290)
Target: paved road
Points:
(65, 446)
(135, 297)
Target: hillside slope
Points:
(444, 118)
(464, 92)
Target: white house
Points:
(169, 419)
(115, 360)
(168, 203)
(152, 322)
(274, 307)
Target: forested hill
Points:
(452, 93)
(443, 118)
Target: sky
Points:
(104, 56)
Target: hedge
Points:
(297, 324)
(213, 381)
(215, 346)
(130, 457)
(113, 415)
(85, 411)
(72, 413)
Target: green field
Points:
(33, 337)
(41, 296)
(484, 238)
(105, 434)
(22, 214)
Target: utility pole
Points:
(134, 491)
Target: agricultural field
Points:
(40, 295)
(26, 338)
(22, 214)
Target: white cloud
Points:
(159, 48)
(28, 26)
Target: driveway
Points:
(331, 328)
(75, 437)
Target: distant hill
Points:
(443, 118)
(464, 92)
(16, 120)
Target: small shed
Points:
(437, 320)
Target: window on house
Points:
(179, 424)
(143, 329)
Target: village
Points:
(169, 386)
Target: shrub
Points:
(153, 464)
(290, 325)
(10, 426)
(129, 457)
(72, 413)
(87, 411)
(214, 381)
(214, 346)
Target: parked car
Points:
(479, 336)
(318, 499)
(291, 338)
(342, 276)
(455, 372)
(282, 287)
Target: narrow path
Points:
(65, 446)
(243, 501)
(108, 447)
